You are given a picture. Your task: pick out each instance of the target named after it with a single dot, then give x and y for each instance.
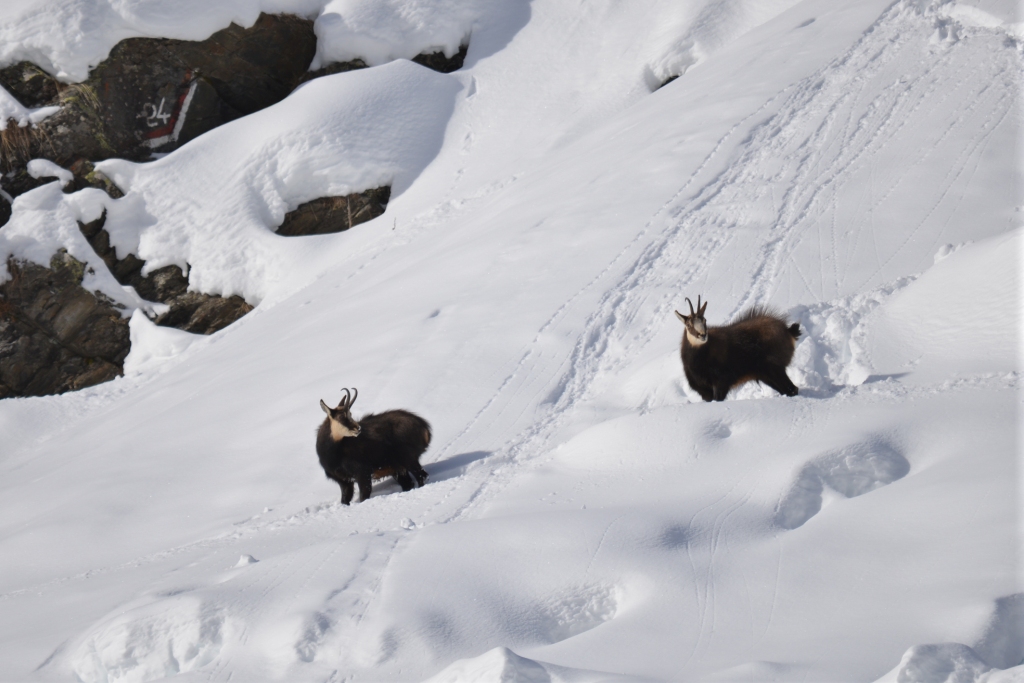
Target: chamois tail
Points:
(794, 330)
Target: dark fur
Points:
(389, 443)
(757, 346)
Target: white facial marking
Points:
(339, 431)
(694, 341)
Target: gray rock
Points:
(153, 95)
(438, 62)
(335, 214)
(55, 336)
(190, 311)
(32, 86)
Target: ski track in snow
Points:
(686, 248)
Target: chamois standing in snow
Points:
(757, 346)
(389, 443)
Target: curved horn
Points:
(355, 393)
(691, 304)
(346, 400)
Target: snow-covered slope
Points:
(855, 163)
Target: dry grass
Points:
(81, 94)
(15, 145)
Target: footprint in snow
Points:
(850, 471)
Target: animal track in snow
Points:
(718, 429)
(851, 471)
(317, 628)
(570, 614)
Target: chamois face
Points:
(696, 325)
(342, 424)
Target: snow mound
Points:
(962, 315)
(152, 642)
(245, 561)
(44, 168)
(381, 31)
(939, 663)
(499, 665)
(697, 30)
(831, 352)
(153, 346)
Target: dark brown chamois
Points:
(377, 445)
(757, 346)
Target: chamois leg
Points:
(404, 480)
(719, 392)
(778, 380)
(420, 474)
(347, 489)
(365, 486)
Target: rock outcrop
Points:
(152, 95)
(189, 311)
(335, 214)
(149, 96)
(438, 62)
(56, 336)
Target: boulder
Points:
(335, 214)
(156, 94)
(56, 336)
(32, 86)
(152, 95)
(438, 62)
(189, 311)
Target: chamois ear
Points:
(681, 317)
(324, 406)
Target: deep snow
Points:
(856, 164)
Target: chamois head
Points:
(342, 424)
(696, 326)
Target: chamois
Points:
(389, 443)
(758, 346)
